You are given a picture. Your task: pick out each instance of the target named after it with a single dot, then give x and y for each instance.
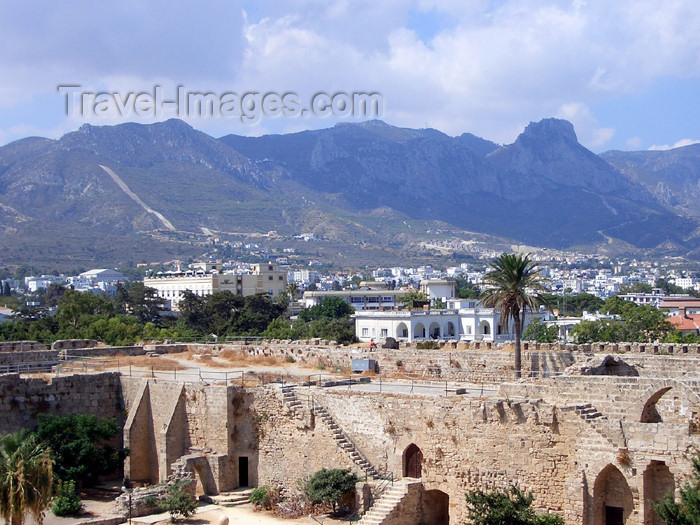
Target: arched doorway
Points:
(435, 508)
(658, 481)
(402, 331)
(434, 331)
(419, 331)
(484, 328)
(412, 462)
(612, 498)
(450, 332)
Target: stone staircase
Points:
(601, 424)
(290, 399)
(228, 499)
(345, 443)
(385, 504)
(296, 407)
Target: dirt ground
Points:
(103, 507)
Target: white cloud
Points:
(634, 142)
(679, 144)
(586, 125)
(490, 69)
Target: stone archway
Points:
(435, 508)
(612, 498)
(660, 403)
(402, 331)
(658, 481)
(484, 328)
(650, 414)
(412, 461)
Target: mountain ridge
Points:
(352, 183)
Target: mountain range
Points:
(133, 192)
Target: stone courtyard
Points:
(594, 433)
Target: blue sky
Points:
(626, 73)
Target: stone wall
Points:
(555, 453)
(169, 420)
(22, 399)
(21, 346)
(291, 445)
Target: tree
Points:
(6, 291)
(67, 502)
(80, 446)
(329, 485)
(412, 298)
(438, 304)
(540, 332)
(505, 507)
(687, 511)
(140, 301)
(178, 502)
(74, 305)
(26, 474)
(293, 290)
(328, 308)
(636, 288)
(465, 289)
(513, 285)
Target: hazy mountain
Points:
(114, 193)
(673, 176)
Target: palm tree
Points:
(26, 474)
(293, 289)
(513, 285)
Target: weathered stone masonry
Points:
(586, 446)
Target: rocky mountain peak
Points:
(549, 131)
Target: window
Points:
(373, 299)
(384, 332)
(269, 267)
(270, 278)
(388, 299)
(365, 332)
(281, 278)
(356, 300)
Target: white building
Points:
(438, 289)
(265, 278)
(360, 300)
(465, 320)
(377, 296)
(37, 283)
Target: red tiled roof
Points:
(689, 322)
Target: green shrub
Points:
(178, 502)
(328, 486)
(261, 497)
(67, 502)
(510, 506)
(427, 345)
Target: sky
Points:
(626, 73)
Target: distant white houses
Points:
(97, 281)
(33, 284)
(465, 320)
(377, 295)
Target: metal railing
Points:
(27, 368)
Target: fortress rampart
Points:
(587, 434)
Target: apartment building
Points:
(264, 278)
